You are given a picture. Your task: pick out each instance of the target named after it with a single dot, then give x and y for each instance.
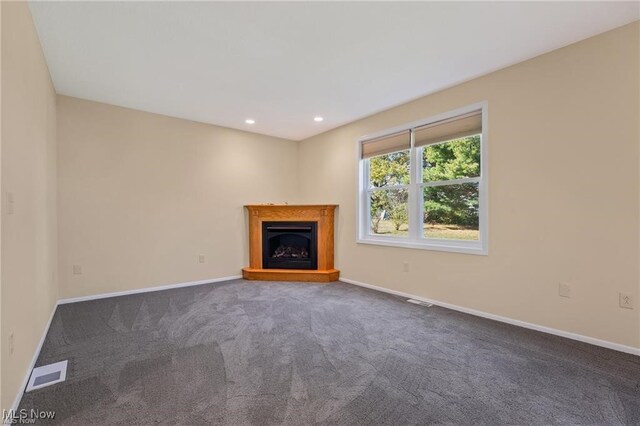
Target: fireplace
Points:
(289, 245)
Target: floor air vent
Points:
(419, 302)
(47, 375)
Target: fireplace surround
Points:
(291, 243)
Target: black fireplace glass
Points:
(289, 245)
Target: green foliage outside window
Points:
(387, 170)
(455, 204)
(452, 204)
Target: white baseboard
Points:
(543, 329)
(146, 290)
(16, 402)
(32, 364)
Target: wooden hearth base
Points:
(305, 275)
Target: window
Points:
(423, 185)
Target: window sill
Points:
(466, 247)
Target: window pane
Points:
(451, 212)
(389, 169)
(456, 159)
(389, 214)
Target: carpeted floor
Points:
(263, 353)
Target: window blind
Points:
(452, 128)
(386, 144)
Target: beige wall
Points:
(141, 196)
(563, 187)
(1, 335)
(29, 247)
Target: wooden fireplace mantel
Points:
(323, 214)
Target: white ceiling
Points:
(284, 63)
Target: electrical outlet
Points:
(626, 301)
(11, 343)
(564, 290)
(405, 266)
(201, 258)
(77, 269)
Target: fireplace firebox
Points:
(289, 245)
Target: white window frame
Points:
(415, 238)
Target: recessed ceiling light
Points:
(250, 121)
(318, 119)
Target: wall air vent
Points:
(47, 375)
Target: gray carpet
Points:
(263, 353)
